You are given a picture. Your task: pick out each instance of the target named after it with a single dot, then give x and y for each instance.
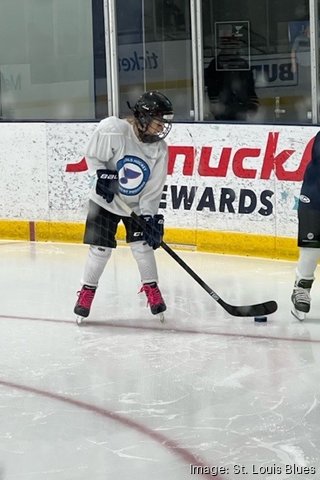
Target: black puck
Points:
(260, 319)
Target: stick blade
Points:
(257, 310)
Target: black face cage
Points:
(145, 120)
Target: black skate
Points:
(301, 298)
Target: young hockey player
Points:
(129, 160)
(308, 234)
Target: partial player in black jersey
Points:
(308, 234)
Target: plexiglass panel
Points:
(154, 44)
(257, 60)
(50, 51)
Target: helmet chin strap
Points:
(139, 130)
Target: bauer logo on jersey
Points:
(133, 174)
(304, 199)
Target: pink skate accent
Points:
(85, 298)
(154, 298)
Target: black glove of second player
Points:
(153, 233)
(107, 184)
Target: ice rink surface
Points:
(124, 397)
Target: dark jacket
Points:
(310, 190)
(231, 88)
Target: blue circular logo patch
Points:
(133, 174)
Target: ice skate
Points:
(83, 305)
(155, 300)
(301, 299)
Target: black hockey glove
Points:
(153, 233)
(107, 184)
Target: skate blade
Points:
(161, 317)
(80, 320)
(299, 315)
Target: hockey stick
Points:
(256, 310)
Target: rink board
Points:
(230, 188)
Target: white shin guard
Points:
(307, 263)
(96, 261)
(145, 258)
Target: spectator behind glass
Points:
(230, 86)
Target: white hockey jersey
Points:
(142, 167)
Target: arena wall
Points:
(230, 188)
